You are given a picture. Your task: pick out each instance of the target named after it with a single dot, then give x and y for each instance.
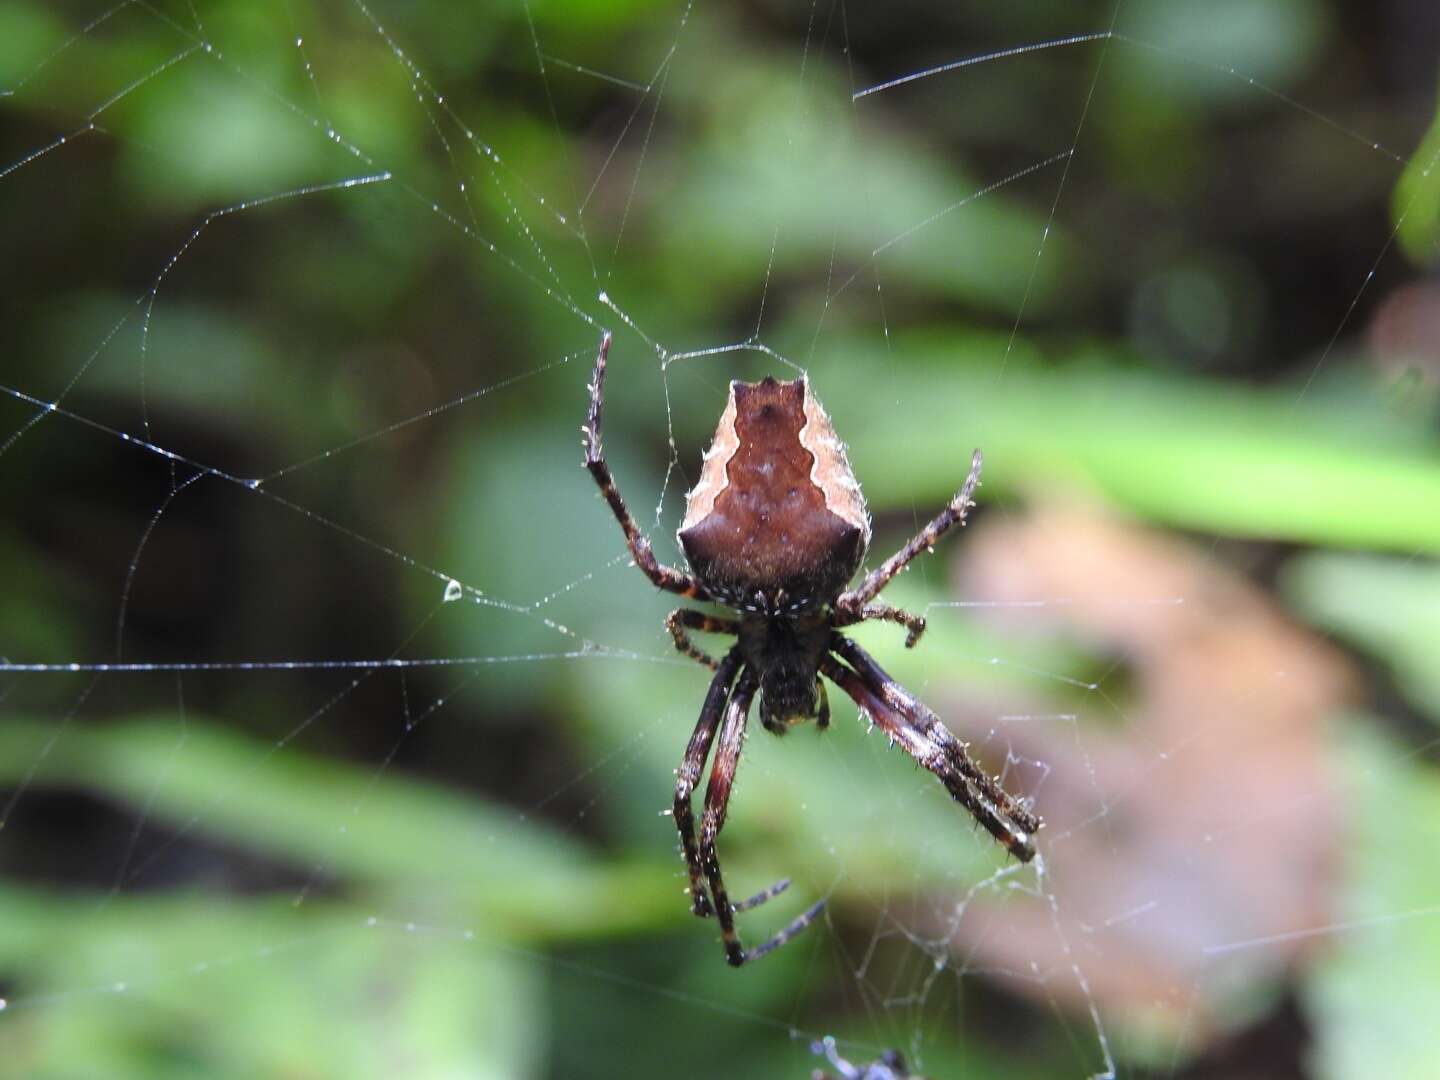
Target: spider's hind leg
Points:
(920, 733)
(717, 799)
(688, 775)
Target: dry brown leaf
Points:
(1191, 804)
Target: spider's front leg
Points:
(666, 577)
(850, 615)
(682, 619)
(851, 605)
(717, 799)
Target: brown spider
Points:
(775, 528)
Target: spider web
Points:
(338, 722)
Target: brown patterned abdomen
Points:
(759, 520)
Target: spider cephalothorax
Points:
(775, 528)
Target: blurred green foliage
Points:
(1374, 994)
(463, 870)
(1416, 203)
(1388, 607)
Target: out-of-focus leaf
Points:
(1200, 649)
(180, 986)
(1416, 203)
(770, 157)
(1374, 997)
(28, 33)
(218, 140)
(1195, 453)
(1389, 607)
(1224, 45)
(399, 838)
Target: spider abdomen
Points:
(776, 522)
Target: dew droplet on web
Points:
(453, 591)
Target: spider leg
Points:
(717, 799)
(682, 619)
(921, 734)
(880, 610)
(851, 604)
(688, 775)
(666, 577)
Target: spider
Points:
(774, 529)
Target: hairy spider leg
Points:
(682, 619)
(922, 735)
(851, 605)
(717, 799)
(688, 775)
(881, 610)
(666, 577)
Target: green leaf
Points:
(1415, 206)
(1373, 995)
(185, 985)
(391, 840)
(1339, 470)
(1388, 607)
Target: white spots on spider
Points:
(759, 603)
(453, 591)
